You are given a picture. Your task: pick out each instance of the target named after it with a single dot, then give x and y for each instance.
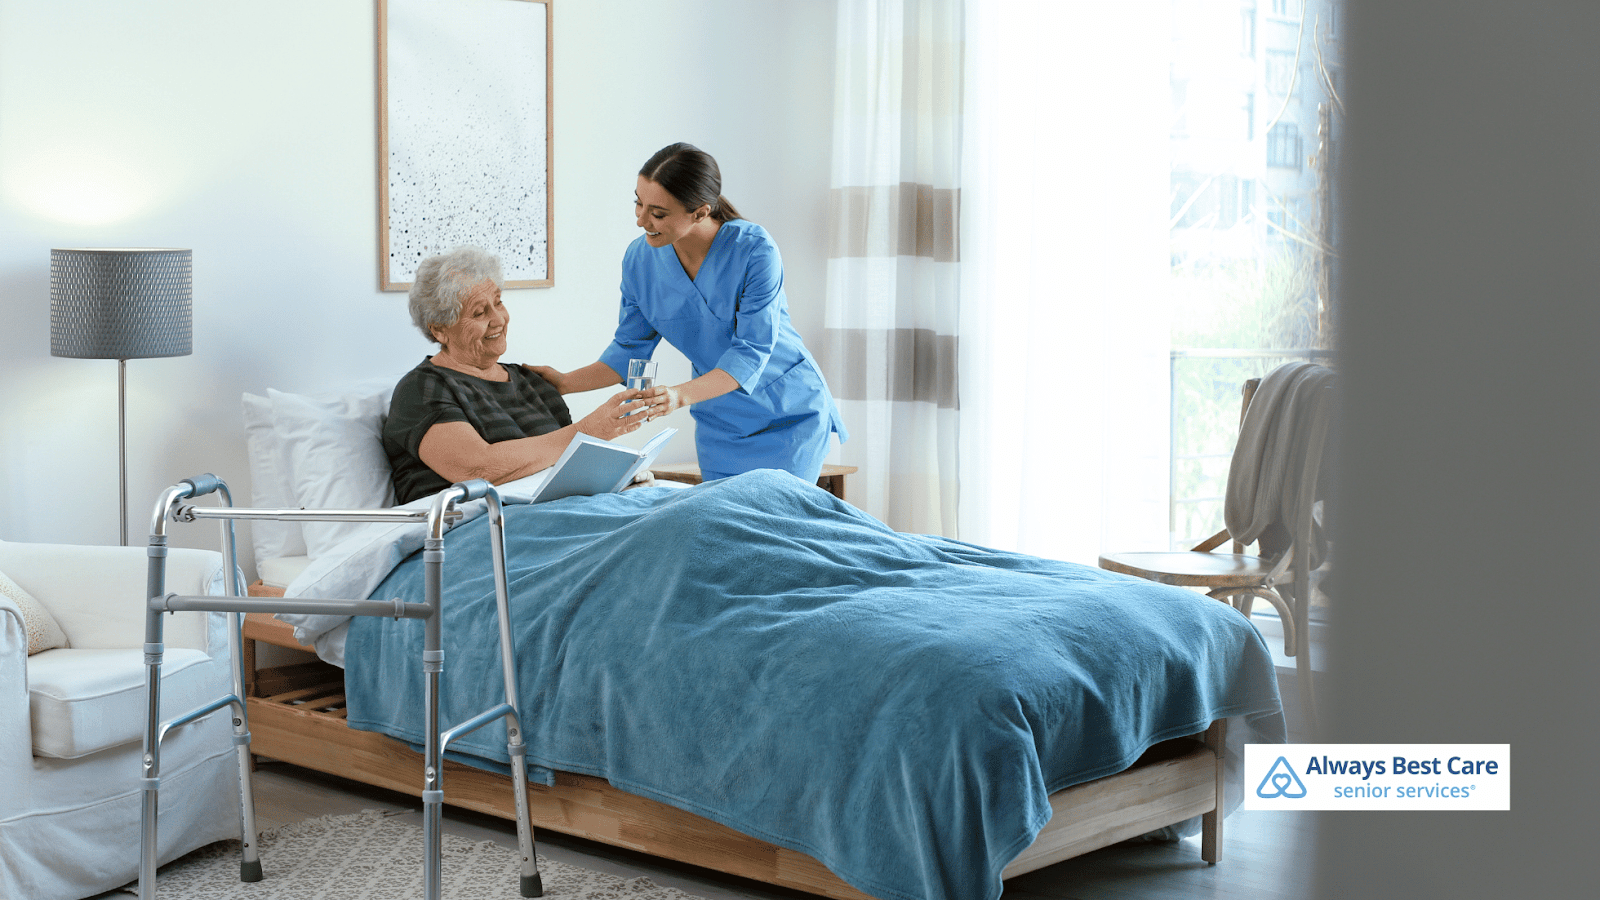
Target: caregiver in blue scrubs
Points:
(711, 283)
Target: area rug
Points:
(373, 854)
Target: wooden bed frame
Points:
(297, 716)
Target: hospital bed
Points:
(298, 713)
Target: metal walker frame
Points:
(172, 505)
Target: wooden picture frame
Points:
(464, 135)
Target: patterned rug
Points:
(372, 854)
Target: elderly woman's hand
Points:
(612, 418)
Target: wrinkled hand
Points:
(557, 379)
(611, 419)
(643, 479)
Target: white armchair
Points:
(72, 721)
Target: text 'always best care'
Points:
(1378, 776)
(1400, 765)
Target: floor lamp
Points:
(121, 305)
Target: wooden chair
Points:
(1282, 576)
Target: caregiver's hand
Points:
(557, 379)
(665, 400)
(612, 418)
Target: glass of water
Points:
(641, 374)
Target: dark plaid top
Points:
(525, 406)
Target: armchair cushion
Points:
(95, 593)
(43, 631)
(84, 701)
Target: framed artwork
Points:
(464, 135)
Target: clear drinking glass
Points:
(641, 374)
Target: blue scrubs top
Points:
(732, 316)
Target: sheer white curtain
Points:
(1063, 321)
(889, 349)
(997, 307)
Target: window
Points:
(1191, 198)
(1180, 107)
(1247, 31)
(1235, 198)
(1282, 225)
(1280, 71)
(1283, 147)
(1250, 235)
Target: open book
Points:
(592, 466)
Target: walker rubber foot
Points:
(532, 885)
(250, 871)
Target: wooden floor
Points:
(1266, 855)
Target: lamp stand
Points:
(122, 444)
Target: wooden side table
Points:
(832, 479)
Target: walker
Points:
(173, 505)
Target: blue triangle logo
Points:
(1281, 781)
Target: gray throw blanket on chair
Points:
(1269, 462)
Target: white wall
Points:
(247, 132)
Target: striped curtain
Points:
(893, 299)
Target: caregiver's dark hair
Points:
(691, 176)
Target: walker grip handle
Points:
(476, 489)
(202, 484)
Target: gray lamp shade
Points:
(120, 304)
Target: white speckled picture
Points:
(465, 148)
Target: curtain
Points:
(893, 288)
(996, 316)
(1064, 367)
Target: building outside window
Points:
(1280, 72)
(1283, 146)
(1250, 226)
(1286, 220)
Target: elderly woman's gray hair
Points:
(440, 282)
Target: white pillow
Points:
(44, 633)
(270, 486)
(334, 447)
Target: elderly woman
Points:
(461, 413)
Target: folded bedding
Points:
(758, 652)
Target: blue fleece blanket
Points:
(760, 653)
